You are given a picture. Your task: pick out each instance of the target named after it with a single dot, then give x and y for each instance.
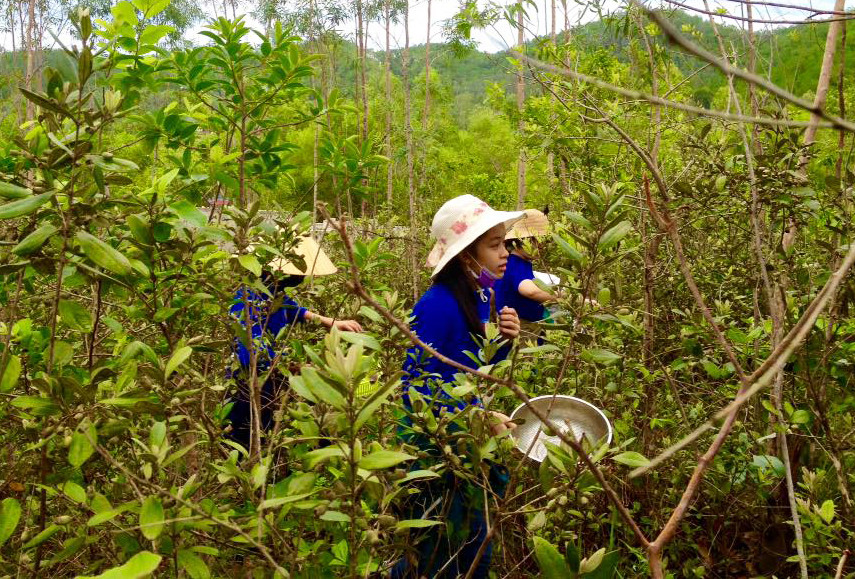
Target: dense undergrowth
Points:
(116, 286)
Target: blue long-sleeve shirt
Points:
(439, 322)
(508, 293)
(265, 325)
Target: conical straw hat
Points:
(317, 262)
(534, 224)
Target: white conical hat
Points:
(317, 262)
(534, 224)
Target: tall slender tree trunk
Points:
(360, 77)
(426, 110)
(31, 53)
(520, 105)
(408, 128)
(822, 84)
(550, 156)
(12, 60)
(390, 166)
(824, 80)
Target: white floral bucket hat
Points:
(458, 223)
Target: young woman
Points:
(266, 316)
(468, 258)
(517, 288)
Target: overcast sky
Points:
(502, 35)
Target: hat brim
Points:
(534, 224)
(317, 262)
(476, 230)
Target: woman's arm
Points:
(528, 289)
(342, 325)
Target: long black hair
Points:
(463, 287)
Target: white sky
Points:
(502, 35)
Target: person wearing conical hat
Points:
(468, 258)
(267, 315)
(517, 289)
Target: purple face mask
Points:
(487, 279)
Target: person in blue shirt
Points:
(265, 317)
(468, 258)
(517, 289)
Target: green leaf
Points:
(75, 316)
(572, 557)
(537, 522)
(74, 491)
(550, 561)
(365, 340)
(574, 254)
(613, 236)
(279, 501)
(193, 564)
(102, 254)
(800, 417)
(157, 435)
(24, 206)
(375, 401)
(80, 449)
(384, 459)
(606, 568)
(140, 566)
(63, 353)
(139, 227)
(590, 564)
(767, 462)
(315, 457)
(11, 373)
(322, 390)
(601, 356)
(154, 33)
(632, 459)
(10, 191)
(34, 240)
(10, 514)
(151, 518)
(335, 517)
(250, 263)
(178, 358)
(189, 212)
(416, 524)
(42, 537)
(418, 474)
(826, 511)
(36, 405)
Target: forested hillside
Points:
(180, 398)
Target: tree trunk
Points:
(360, 53)
(550, 156)
(822, 84)
(824, 80)
(389, 166)
(31, 53)
(426, 110)
(408, 128)
(520, 105)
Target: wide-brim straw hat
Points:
(458, 223)
(534, 224)
(317, 262)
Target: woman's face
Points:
(489, 250)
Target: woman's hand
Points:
(347, 326)
(509, 323)
(502, 422)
